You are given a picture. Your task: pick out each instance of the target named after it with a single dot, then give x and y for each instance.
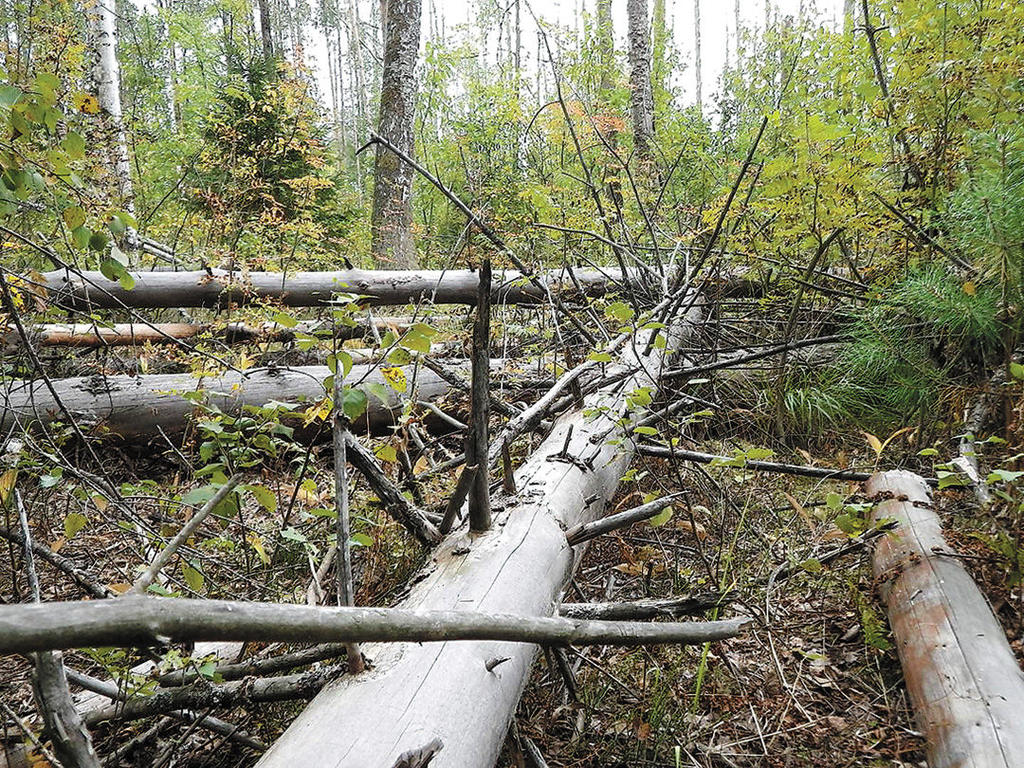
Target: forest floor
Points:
(816, 682)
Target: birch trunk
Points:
(107, 83)
(641, 96)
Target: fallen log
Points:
(134, 622)
(217, 287)
(699, 457)
(92, 335)
(965, 685)
(140, 406)
(416, 694)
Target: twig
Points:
(164, 557)
(458, 498)
(216, 725)
(587, 531)
(414, 520)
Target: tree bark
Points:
(141, 621)
(641, 96)
(419, 693)
(391, 224)
(131, 334)
(140, 406)
(107, 83)
(155, 290)
(965, 685)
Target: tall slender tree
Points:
(697, 56)
(107, 84)
(641, 97)
(265, 33)
(391, 223)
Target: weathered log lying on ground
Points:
(966, 688)
(91, 290)
(140, 406)
(142, 621)
(130, 334)
(416, 693)
(699, 457)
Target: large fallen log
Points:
(218, 287)
(965, 686)
(140, 406)
(130, 334)
(453, 692)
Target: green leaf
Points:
(600, 357)
(386, 452)
(73, 523)
(1017, 371)
(284, 319)
(80, 237)
(193, 577)
(645, 431)
(353, 403)
(928, 452)
(812, 565)
(416, 341)
(199, 496)
(74, 217)
(620, 311)
(360, 540)
(833, 501)
(1003, 476)
(264, 496)
(9, 95)
(662, 517)
(293, 534)
(98, 241)
(74, 145)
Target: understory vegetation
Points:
(843, 206)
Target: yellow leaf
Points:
(7, 480)
(874, 442)
(119, 587)
(86, 103)
(256, 542)
(799, 509)
(396, 378)
(970, 288)
(100, 502)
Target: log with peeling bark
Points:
(415, 694)
(965, 685)
(91, 290)
(130, 334)
(140, 406)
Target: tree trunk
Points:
(452, 692)
(152, 290)
(107, 83)
(963, 680)
(641, 97)
(265, 34)
(697, 57)
(391, 222)
(172, 67)
(136, 406)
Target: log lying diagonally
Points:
(218, 287)
(417, 693)
(964, 683)
(136, 406)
